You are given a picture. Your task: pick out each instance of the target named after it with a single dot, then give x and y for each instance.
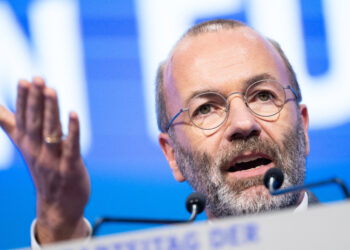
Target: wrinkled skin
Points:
(228, 61)
(57, 169)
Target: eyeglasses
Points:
(208, 110)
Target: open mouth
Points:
(246, 164)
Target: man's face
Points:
(227, 163)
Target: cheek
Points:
(195, 139)
(276, 129)
(208, 141)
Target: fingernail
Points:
(38, 81)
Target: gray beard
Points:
(232, 198)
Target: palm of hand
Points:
(60, 177)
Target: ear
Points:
(305, 120)
(167, 146)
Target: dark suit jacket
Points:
(312, 199)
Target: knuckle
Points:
(69, 155)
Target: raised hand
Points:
(60, 177)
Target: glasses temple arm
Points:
(171, 121)
(295, 93)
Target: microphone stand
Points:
(195, 204)
(310, 185)
(273, 180)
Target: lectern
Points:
(320, 227)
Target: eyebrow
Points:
(246, 84)
(257, 78)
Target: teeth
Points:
(247, 159)
(249, 162)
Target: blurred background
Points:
(102, 56)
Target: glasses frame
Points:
(228, 103)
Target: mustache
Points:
(252, 145)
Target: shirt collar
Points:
(303, 204)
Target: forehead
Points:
(220, 61)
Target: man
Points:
(242, 116)
(228, 110)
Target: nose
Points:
(241, 122)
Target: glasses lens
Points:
(265, 98)
(207, 110)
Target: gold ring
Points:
(52, 139)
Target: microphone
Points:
(195, 204)
(273, 180)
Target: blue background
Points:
(129, 174)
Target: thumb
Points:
(7, 121)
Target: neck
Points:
(301, 197)
(209, 214)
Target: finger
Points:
(71, 149)
(21, 103)
(7, 121)
(34, 110)
(52, 126)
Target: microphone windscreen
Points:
(277, 175)
(198, 199)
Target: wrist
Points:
(46, 233)
(55, 223)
